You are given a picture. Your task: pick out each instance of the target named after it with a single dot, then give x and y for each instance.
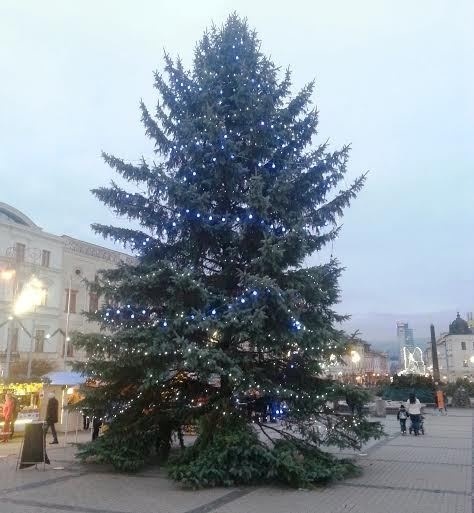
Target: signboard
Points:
(33, 450)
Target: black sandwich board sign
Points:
(33, 449)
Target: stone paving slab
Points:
(431, 473)
(423, 454)
(119, 493)
(430, 442)
(346, 499)
(8, 507)
(409, 475)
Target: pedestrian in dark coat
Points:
(96, 425)
(52, 414)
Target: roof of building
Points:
(459, 327)
(12, 215)
(64, 378)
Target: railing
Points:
(26, 255)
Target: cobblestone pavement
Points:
(431, 473)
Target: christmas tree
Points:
(219, 322)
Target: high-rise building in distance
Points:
(405, 339)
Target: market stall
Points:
(28, 398)
(65, 386)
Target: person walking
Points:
(14, 415)
(402, 416)
(7, 417)
(96, 425)
(52, 417)
(85, 420)
(439, 401)
(413, 407)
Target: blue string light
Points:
(118, 316)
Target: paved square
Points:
(431, 473)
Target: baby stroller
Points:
(421, 429)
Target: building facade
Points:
(405, 340)
(361, 365)
(52, 270)
(455, 352)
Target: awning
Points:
(63, 378)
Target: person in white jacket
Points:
(413, 407)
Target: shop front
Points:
(28, 398)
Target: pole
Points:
(68, 311)
(12, 326)
(32, 348)
(434, 355)
(67, 426)
(9, 347)
(447, 362)
(77, 426)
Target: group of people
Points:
(10, 414)
(412, 410)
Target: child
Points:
(402, 416)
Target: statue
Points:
(413, 361)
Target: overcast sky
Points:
(395, 79)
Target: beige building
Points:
(43, 290)
(455, 352)
(362, 365)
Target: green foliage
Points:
(298, 465)
(126, 452)
(460, 382)
(403, 386)
(218, 304)
(232, 456)
(129, 447)
(235, 456)
(461, 398)
(413, 380)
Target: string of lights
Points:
(120, 316)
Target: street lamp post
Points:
(29, 298)
(9, 275)
(9, 345)
(68, 313)
(32, 345)
(355, 359)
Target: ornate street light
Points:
(355, 357)
(31, 296)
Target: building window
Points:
(39, 341)
(93, 302)
(20, 252)
(464, 363)
(13, 336)
(44, 298)
(45, 257)
(463, 346)
(69, 348)
(71, 300)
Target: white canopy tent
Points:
(63, 385)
